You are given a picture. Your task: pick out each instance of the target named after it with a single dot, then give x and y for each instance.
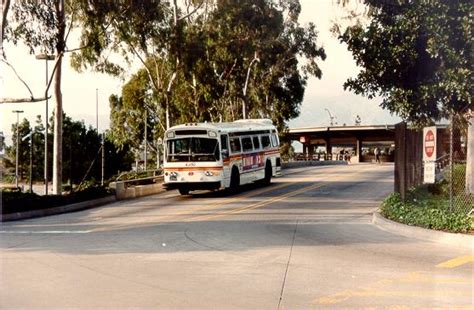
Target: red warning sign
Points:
(429, 144)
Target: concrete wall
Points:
(124, 189)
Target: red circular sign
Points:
(429, 143)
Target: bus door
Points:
(235, 153)
(225, 153)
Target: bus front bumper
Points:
(193, 185)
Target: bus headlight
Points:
(173, 176)
(208, 174)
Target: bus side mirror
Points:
(225, 153)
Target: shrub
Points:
(425, 210)
(14, 201)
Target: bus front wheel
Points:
(234, 179)
(268, 173)
(183, 191)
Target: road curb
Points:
(457, 240)
(79, 206)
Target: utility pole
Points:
(30, 135)
(31, 160)
(145, 147)
(332, 118)
(46, 58)
(103, 168)
(17, 145)
(97, 109)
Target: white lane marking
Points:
(45, 232)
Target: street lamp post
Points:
(30, 136)
(97, 109)
(332, 118)
(46, 57)
(17, 144)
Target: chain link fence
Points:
(454, 165)
(458, 179)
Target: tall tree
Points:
(240, 57)
(417, 55)
(41, 26)
(147, 31)
(258, 58)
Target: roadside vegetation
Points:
(15, 201)
(428, 206)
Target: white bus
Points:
(220, 155)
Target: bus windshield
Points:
(192, 149)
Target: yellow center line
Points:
(226, 201)
(263, 203)
(175, 215)
(256, 205)
(455, 262)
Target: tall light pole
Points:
(332, 118)
(145, 143)
(30, 136)
(46, 57)
(17, 144)
(97, 109)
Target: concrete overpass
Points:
(358, 141)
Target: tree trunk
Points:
(58, 115)
(58, 133)
(470, 158)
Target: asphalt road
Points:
(304, 242)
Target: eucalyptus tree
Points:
(249, 59)
(147, 32)
(41, 26)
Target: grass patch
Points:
(425, 207)
(15, 201)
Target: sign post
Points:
(429, 154)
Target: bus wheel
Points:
(234, 179)
(268, 173)
(183, 191)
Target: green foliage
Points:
(204, 67)
(34, 24)
(14, 201)
(458, 179)
(287, 151)
(81, 147)
(425, 210)
(417, 55)
(23, 149)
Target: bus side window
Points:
(224, 146)
(247, 144)
(235, 144)
(256, 142)
(266, 142)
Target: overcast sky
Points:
(79, 89)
